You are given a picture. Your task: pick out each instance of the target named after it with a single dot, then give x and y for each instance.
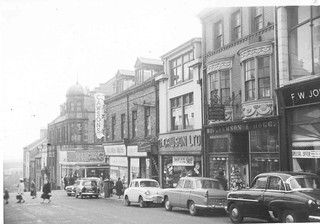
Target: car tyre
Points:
(291, 216)
(167, 204)
(192, 209)
(235, 214)
(76, 195)
(126, 201)
(142, 203)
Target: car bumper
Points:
(224, 207)
(156, 199)
(314, 218)
(90, 194)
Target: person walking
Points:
(46, 191)
(65, 181)
(221, 178)
(20, 191)
(119, 187)
(33, 190)
(6, 195)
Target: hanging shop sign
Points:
(133, 152)
(305, 154)
(301, 94)
(115, 150)
(182, 161)
(99, 114)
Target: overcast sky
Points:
(46, 45)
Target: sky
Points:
(47, 45)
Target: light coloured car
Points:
(144, 192)
(196, 193)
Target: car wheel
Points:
(126, 201)
(235, 214)
(192, 209)
(142, 203)
(76, 195)
(290, 216)
(167, 204)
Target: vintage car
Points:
(71, 190)
(87, 187)
(144, 192)
(195, 193)
(278, 196)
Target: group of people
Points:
(46, 192)
(108, 187)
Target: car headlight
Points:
(147, 192)
(318, 202)
(311, 203)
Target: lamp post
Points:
(126, 143)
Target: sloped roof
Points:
(36, 143)
(151, 61)
(125, 72)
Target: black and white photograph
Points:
(162, 112)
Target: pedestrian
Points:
(20, 191)
(111, 187)
(46, 191)
(220, 177)
(33, 190)
(65, 181)
(107, 187)
(119, 187)
(6, 195)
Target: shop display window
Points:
(264, 140)
(261, 163)
(174, 169)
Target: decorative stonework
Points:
(228, 113)
(257, 109)
(219, 65)
(254, 52)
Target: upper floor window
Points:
(113, 127)
(123, 121)
(180, 70)
(236, 25)
(257, 80)
(218, 34)
(257, 18)
(134, 123)
(182, 112)
(79, 106)
(304, 40)
(147, 121)
(220, 83)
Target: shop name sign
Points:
(182, 161)
(314, 154)
(115, 150)
(87, 156)
(180, 141)
(302, 94)
(241, 127)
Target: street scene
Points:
(200, 112)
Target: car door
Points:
(253, 198)
(174, 194)
(135, 191)
(129, 191)
(184, 194)
(275, 193)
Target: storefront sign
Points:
(182, 141)
(235, 127)
(182, 161)
(115, 150)
(302, 94)
(85, 156)
(133, 152)
(312, 154)
(216, 112)
(118, 161)
(99, 114)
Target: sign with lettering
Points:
(115, 150)
(182, 161)
(85, 156)
(181, 141)
(216, 112)
(236, 127)
(99, 114)
(313, 154)
(301, 94)
(133, 151)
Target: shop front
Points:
(179, 155)
(242, 150)
(300, 126)
(127, 162)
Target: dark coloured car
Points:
(278, 196)
(87, 187)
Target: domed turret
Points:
(76, 90)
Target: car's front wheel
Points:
(142, 203)
(235, 214)
(126, 201)
(291, 216)
(167, 204)
(192, 209)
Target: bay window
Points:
(220, 83)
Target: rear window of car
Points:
(209, 184)
(305, 182)
(149, 184)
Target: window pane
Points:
(315, 11)
(186, 70)
(264, 87)
(176, 119)
(276, 183)
(179, 61)
(249, 90)
(300, 57)
(179, 74)
(188, 116)
(260, 183)
(316, 45)
(249, 70)
(258, 11)
(263, 140)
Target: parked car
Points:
(87, 187)
(196, 193)
(278, 196)
(144, 192)
(71, 190)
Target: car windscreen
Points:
(90, 183)
(146, 183)
(209, 184)
(304, 182)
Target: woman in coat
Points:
(119, 187)
(46, 191)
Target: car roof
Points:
(198, 178)
(286, 174)
(144, 179)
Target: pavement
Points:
(64, 209)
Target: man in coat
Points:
(119, 187)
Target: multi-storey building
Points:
(180, 117)
(73, 148)
(298, 32)
(241, 121)
(130, 126)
